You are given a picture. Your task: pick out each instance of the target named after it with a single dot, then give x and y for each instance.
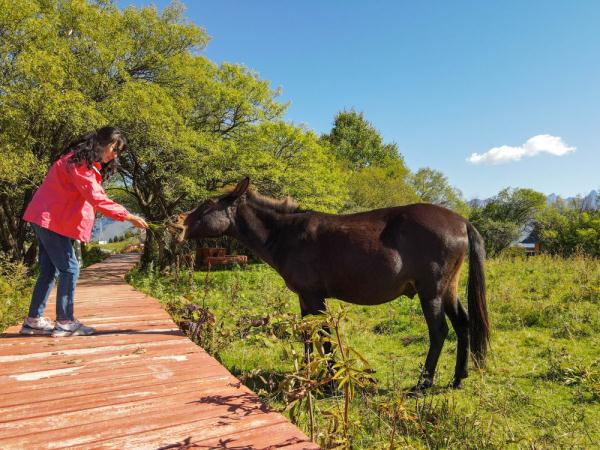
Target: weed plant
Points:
(15, 292)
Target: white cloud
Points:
(542, 143)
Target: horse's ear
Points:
(240, 189)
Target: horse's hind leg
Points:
(460, 322)
(433, 309)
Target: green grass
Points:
(541, 388)
(117, 247)
(95, 253)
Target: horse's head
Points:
(210, 218)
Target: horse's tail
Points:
(479, 325)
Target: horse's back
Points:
(400, 227)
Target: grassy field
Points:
(541, 387)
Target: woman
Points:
(63, 209)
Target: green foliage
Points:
(282, 159)
(561, 229)
(540, 389)
(193, 126)
(92, 254)
(357, 143)
(15, 292)
(569, 231)
(432, 187)
(504, 217)
(380, 187)
(188, 132)
(376, 174)
(344, 367)
(584, 377)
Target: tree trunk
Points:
(149, 257)
(31, 254)
(78, 253)
(13, 229)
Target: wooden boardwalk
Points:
(138, 383)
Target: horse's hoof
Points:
(330, 389)
(457, 384)
(457, 380)
(420, 388)
(425, 383)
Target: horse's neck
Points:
(257, 229)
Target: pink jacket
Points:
(68, 199)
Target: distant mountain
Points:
(552, 198)
(478, 203)
(106, 229)
(590, 202)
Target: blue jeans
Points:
(57, 258)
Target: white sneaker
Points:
(39, 325)
(72, 328)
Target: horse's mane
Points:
(286, 205)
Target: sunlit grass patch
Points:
(540, 388)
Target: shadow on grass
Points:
(257, 380)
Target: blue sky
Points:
(442, 79)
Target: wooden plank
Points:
(118, 395)
(60, 359)
(137, 383)
(108, 381)
(214, 407)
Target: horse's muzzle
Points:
(177, 227)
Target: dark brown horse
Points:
(366, 258)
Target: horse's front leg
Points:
(313, 305)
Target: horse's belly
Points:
(370, 286)
(370, 296)
(366, 277)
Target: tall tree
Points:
(282, 159)
(432, 186)
(504, 216)
(357, 143)
(64, 73)
(193, 126)
(376, 173)
(380, 187)
(566, 231)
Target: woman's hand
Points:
(136, 221)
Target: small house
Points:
(530, 241)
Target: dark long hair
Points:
(89, 148)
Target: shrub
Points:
(93, 254)
(15, 292)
